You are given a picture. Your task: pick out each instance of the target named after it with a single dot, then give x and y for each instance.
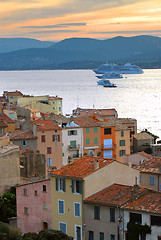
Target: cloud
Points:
(126, 32)
(54, 31)
(62, 25)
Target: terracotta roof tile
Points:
(145, 155)
(143, 135)
(151, 202)
(90, 112)
(115, 194)
(81, 168)
(5, 118)
(151, 166)
(46, 125)
(16, 93)
(25, 134)
(86, 122)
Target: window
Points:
(44, 188)
(59, 109)
(73, 144)
(140, 178)
(25, 191)
(42, 138)
(44, 205)
(87, 130)
(122, 152)
(95, 129)
(122, 133)
(0, 130)
(91, 235)
(56, 138)
(49, 161)
(87, 140)
(78, 234)
(11, 115)
(151, 180)
(72, 132)
(63, 227)
(95, 140)
(77, 210)
(136, 218)
(112, 237)
(35, 192)
(155, 220)
(25, 210)
(48, 150)
(96, 212)
(76, 186)
(107, 131)
(102, 236)
(61, 206)
(24, 142)
(60, 184)
(54, 102)
(122, 142)
(112, 214)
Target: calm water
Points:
(136, 96)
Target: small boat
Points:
(106, 83)
(110, 75)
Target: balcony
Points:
(105, 147)
(74, 147)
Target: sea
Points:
(136, 95)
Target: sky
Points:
(55, 20)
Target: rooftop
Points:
(142, 136)
(89, 112)
(86, 121)
(116, 194)
(22, 134)
(82, 167)
(153, 165)
(15, 93)
(45, 125)
(151, 202)
(5, 118)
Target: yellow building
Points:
(13, 97)
(71, 184)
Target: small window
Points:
(122, 152)
(87, 140)
(44, 188)
(56, 138)
(60, 184)
(87, 130)
(112, 214)
(140, 178)
(72, 132)
(122, 133)
(95, 129)
(59, 109)
(96, 212)
(44, 205)
(107, 131)
(63, 227)
(122, 142)
(35, 192)
(48, 150)
(49, 161)
(77, 186)
(73, 144)
(155, 220)
(24, 142)
(112, 237)
(61, 206)
(151, 180)
(91, 235)
(136, 218)
(25, 191)
(25, 210)
(102, 236)
(77, 209)
(95, 140)
(11, 115)
(42, 138)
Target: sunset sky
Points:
(55, 20)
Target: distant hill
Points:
(13, 44)
(86, 53)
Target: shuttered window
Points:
(60, 184)
(96, 212)
(61, 206)
(77, 209)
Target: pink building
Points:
(34, 206)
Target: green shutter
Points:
(87, 141)
(95, 140)
(68, 133)
(87, 130)
(75, 132)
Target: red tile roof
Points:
(116, 194)
(5, 118)
(81, 168)
(151, 166)
(145, 155)
(90, 112)
(15, 93)
(54, 98)
(46, 125)
(151, 202)
(86, 122)
(25, 134)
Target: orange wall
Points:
(108, 136)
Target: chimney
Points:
(96, 164)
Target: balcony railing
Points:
(108, 146)
(74, 147)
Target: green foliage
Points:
(8, 205)
(134, 230)
(9, 233)
(30, 236)
(53, 235)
